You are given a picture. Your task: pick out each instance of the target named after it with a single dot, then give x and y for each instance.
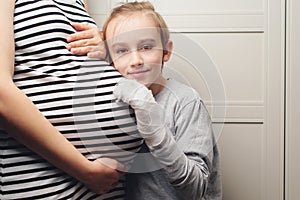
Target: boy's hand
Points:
(87, 40)
(133, 93)
(150, 121)
(149, 115)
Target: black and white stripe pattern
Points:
(74, 93)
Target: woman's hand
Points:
(87, 40)
(103, 175)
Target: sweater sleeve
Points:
(187, 155)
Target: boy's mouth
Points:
(138, 73)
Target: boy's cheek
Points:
(120, 69)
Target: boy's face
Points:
(136, 49)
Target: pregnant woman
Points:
(62, 136)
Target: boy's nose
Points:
(136, 59)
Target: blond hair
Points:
(144, 7)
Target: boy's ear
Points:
(167, 51)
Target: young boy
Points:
(176, 125)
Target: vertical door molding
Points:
(274, 100)
(292, 100)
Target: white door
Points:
(236, 63)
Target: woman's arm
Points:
(22, 120)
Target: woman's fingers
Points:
(86, 40)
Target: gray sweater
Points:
(185, 165)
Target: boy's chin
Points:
(146, 83)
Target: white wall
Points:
(234, 46)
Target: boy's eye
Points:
(121, 51)
(146, 47)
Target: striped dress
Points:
(75, 95)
